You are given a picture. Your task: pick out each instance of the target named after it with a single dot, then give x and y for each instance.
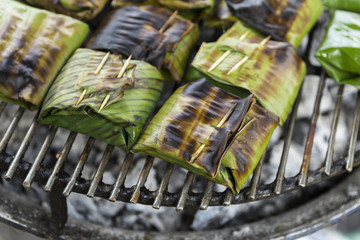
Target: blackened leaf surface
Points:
(134, 30)
(34, 44)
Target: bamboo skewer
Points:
(222, 121)
(265, 41)
(167, 23)
(106, 99)
(81, 97)
(124, 67)
(102, 63)
(222, 58)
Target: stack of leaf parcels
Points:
(210, 132)
(83, 10)
(270, 70)
(34, 45)
(76, 100)
(283, 20)
(194, 10)
(339, 52)
(149, 33)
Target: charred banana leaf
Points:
(221, 17)
(84, 10)
(283, 20)
(34, 45)
(270, 70)
(347, 5)
(149, 35)
(339, 52)
(195, 129)
(98, 102)
(194, 10)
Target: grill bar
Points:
(44, 148)
(354, 134)
(285, 153)
(311, 134)
(2, 107)
(142, 178)
(60, 161)
(207, 195)
(185, 191)
(255, 179)
(228, 197)
(121, 177)
(163, 185)
(22, 149)
(100, 171)
(9, 132)
(83, 157)
(330, 150)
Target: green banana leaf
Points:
(84, 10)
(347, 5)
(273, 72)
(193, 10)
(283, 20)
(339, 52)
(194, 118)
(34, 45)
(133, 97)
(135, 30)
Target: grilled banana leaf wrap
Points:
(132, 100)
(34, 45)
(84, 10)
(194, 10)
(135, 30)
(339, 52)
(346, 5)
(272, 72)
(283, 20)
(231, 133)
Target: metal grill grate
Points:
(72, 181)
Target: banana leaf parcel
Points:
(75, 99)
(210, 132)
(84, 10)
(148, 34)
(34, 45)
(283, 20)
(194, 10)
(270, 70)
(346, 5)
(339, 52)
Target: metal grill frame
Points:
(60, 184)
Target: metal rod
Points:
(60, 161)
(207, 195)
(44, 148)
(185, 191)
(121, 177)
(10, 130)
(100, 171)
(2, 107)
(142, 178)
(22, 149)
(163, 185)
(83, 157)
(285, 153)
(330, 150)
(256, 178)
(311, 134)
(228, 197)
(353, 138)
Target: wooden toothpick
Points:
(244, 35)
(238, 65)
(106, 99)
(82, 96)
(102, 63)
(123, 69)
(167, 23)
(265, 41)
(222, 121)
